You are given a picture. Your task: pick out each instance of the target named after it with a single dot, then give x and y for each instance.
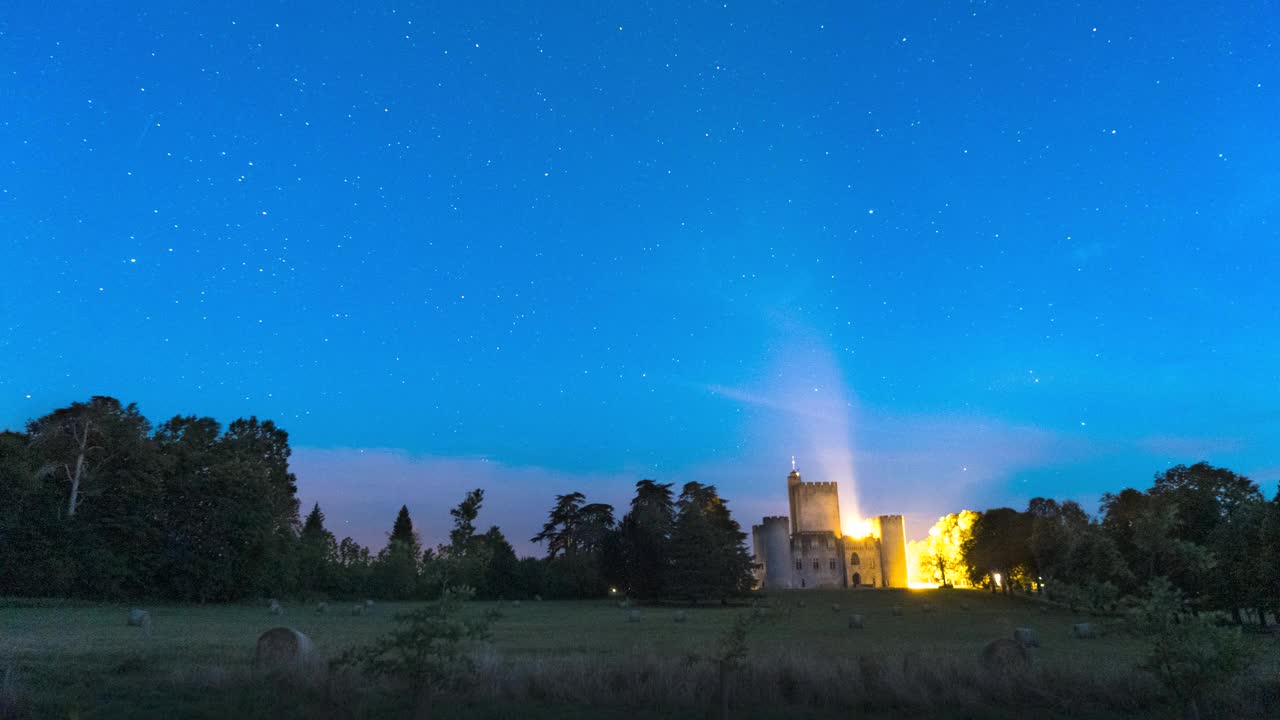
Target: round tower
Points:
(892, 530)
(773, 552)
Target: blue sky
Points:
(952, 256)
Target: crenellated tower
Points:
(815, 506)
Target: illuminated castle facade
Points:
(809, 549)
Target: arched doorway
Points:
(857, 579)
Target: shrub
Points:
(428, 651)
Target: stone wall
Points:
(817, 560)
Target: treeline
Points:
(97, 503)
(1207, 531)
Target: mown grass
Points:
(555, 659)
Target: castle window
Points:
(815, 564)
(854, 559)
(833, 563)
(799, 564)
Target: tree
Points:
(32, 554)
(260, 509)
(940, 556)
(354, 568)
(463, 561)
(397, 565)
(318, 551)
(560, 530)
(1204, 496)
(80, 441)
(577, 535)
(464, 516)
(501, 577)
(645, 540)
(709, 557)
(1000, 546)
(198, 512)
(403, 534)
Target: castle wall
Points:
(892, 531)
(862, 562)
(815, 507)
(816, 560)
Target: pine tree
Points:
(397, 567)
(403, 534)
(318, 552)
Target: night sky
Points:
(952, 256)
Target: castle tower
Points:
(772, 548)
(815, 507)
(892, 531)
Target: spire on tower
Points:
(793, 463)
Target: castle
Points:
(809, 550)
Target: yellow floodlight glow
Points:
(857, 528)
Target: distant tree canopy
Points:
(1206, 531)
(96, 503)
(688, 549)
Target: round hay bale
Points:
(537, 598)
(139, 618)
(357, 610)
(928, 608)
(680, 616)
(835, 607)
(1026, 636)
(274, 607)
(515, 603)
(1084, 631)
(855, 622)
(282, 646)
(1004, 654)
(322, 608)
(633, 616)
(368, 604)
(800, 604)
(964, 606)
(897, 611)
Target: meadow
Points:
(587, 659)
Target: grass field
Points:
(83, 661)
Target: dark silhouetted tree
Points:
(709, 558)
(645, 540)
(397, 566)
(317, 554)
